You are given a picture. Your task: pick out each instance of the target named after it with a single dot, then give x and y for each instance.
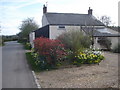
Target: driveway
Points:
(15, 70)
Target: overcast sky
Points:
(12, 12)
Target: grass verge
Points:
(31, 62)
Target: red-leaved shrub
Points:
(52, 50)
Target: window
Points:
(61, 27)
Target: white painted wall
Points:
(32, 38)
(55, 31)
(96, 44)
(114, 41)
(44, 21)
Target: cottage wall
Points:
(32, 38)
(96, 44)
(44, 21)
(114, 41)
(55, 31)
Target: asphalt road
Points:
(15, 70)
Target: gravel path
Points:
(104, 75)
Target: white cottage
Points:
(61, 22)
(54, 24)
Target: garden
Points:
(70, 48)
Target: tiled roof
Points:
(72, 19)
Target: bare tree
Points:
(106, 20)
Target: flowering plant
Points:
(88, 57)
(52, 50)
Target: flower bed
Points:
(88, 57)
(49, 54)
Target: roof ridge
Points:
(65, 13)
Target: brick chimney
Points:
(90, 11)
(44, 9)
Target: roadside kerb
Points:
(36, 81)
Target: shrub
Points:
(116, 49)
(40, 63)
(31, 61)
(88, 57)
(75, 40)
(1, 42)
(35, 63)
(27, 46)
(51, 51)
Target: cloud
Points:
(27, 4)
(16, 4)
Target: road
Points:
(15, 70)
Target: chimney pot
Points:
(90, 11)
(44, 9)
